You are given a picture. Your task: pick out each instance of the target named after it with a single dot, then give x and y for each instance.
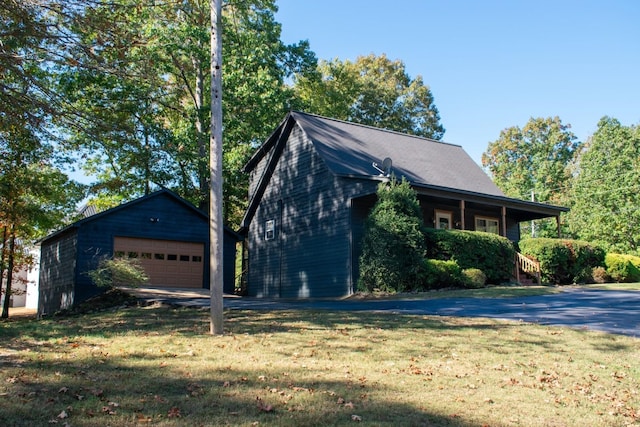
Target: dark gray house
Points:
(313, 183)
(166, 233)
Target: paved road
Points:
(609, 311)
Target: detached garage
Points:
(167, 234)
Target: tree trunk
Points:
(7, 293)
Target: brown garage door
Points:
(166, 262)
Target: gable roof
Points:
(349, 150)
(88, 216)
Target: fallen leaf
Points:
(356, 418)
(141, 418)
(264, 407)
(63, 390)
(62, 415)
(174, 412)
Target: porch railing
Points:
(529, 266)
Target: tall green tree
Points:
(140, 83)
(606, 189)
(534, 162)
(372, 90)
(35, 195)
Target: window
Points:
(172, 257)
(158, 256)
(196, 258)
(488, 225)
(118, 254)
(443, 220)
(145, 255)
(270, 230)
(184, 257)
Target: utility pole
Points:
(533, 224)
(216, 230)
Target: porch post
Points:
(462, 226)
(504, 221)
(558, 225)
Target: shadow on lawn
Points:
(102, 389)
(93, 388)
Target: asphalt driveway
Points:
(615, 312)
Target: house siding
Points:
(95, 238)
(310, 254)
(68, 256)
(57, 273)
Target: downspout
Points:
(280, 245)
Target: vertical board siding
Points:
(57, 274)
(310, 255)
(174, 222)
(66, 259)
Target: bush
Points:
(475, 278)
(488, 252)
(564, 261)
(393, 245)
(119, 272)
(600, 275)
(623, 268)
(438, 274)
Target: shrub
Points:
(438, 274)
(600, 275)
(393, 245)
(475, 278)
(563, 261)
(488, 252)
(118, 272)
(623, 268)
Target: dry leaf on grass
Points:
(262, 406)
(174, 412)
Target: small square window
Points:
(270, 230)
(145, 255)
(158, 256)
(184, 257)
(132, 254)
(196, 258)
(172, 257)
(118, 254)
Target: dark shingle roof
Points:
(350, 149)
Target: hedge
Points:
(492, 254)
(438, 274)
(623, 268)
(564, 261)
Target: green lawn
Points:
(157, 366)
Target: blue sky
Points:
(491, 64)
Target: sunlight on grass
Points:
(158, 366)
(488, 292)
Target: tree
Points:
(138, 86)
(35, 195)
(534, 161)
(605, 191)
(373, 91)
(393, 246)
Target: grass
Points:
(488, 292)
(158, 366)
